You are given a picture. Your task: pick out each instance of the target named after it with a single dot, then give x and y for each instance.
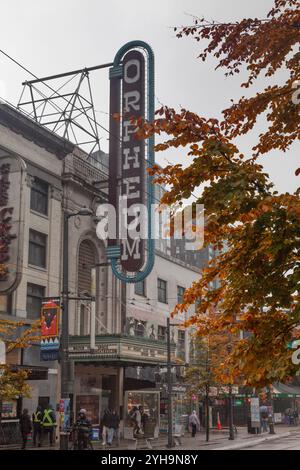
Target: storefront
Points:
(182, 407)
(145, 404)
(119, 373)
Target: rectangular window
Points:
(39, 196)
(181, 344)
(35, 295)
(162, 333)
(162, 291)
(180, 294)
(37, 248)
(139, 288)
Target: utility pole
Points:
(64, 338)
(230, 405)
(65, 365)
(207, 370)
(170, 388)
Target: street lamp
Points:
(169, 383)
(230, 405)
(65, 371)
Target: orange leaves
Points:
(264, 47)
(16, 336)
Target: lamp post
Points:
(65, 370)
(169, 382)
(171, 442)
(230, 405)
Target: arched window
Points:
(86, 261)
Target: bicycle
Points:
(81, 440)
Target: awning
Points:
(286, 391)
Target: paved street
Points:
(285, 443)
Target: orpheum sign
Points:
(133, 157)
(12, 178)
(130, 189)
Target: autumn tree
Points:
(15, 335)
(255, 229)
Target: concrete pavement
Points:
(218, 441)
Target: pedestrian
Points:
(83, 427)
(25, 427)
(49, 423)
(113, 426)
(290, 417)
(137, 418)
(144, 419)
(105, 425)
(296, 417)
(37, 418)
(264, 416)
(194, 423)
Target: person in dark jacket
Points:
(37, 418)
(83, 428)
(25, 427)
(110, 424)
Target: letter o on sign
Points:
(132, 71)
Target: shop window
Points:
(37, 248)
(143, 408)
(39, 196)
(35, 295)
(162, 291)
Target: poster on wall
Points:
(50, 314)
(64, 411)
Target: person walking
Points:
(296, 417)
(112, 425)
(194, 423)
(264, 418)
(105, 425)
(25, 427)
(137, 417)
(49, 423)
(37, 418)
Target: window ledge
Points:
(39, 214)
(38, 268)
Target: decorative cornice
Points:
(31, 130)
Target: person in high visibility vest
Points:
(49, 423)
(37, 418)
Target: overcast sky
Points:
(55, 36)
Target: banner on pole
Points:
(50, 314)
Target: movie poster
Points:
(50, 315)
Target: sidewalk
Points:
(218, 441)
